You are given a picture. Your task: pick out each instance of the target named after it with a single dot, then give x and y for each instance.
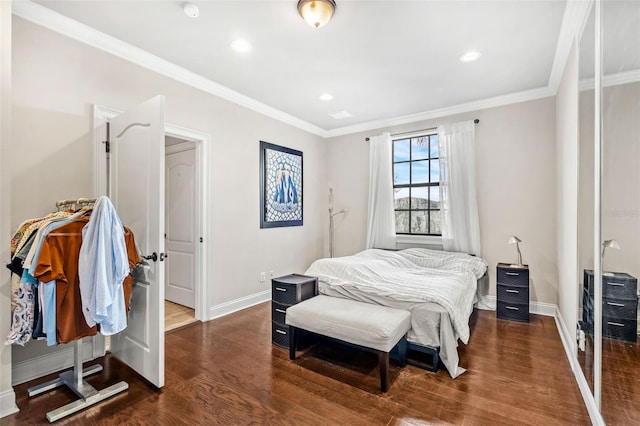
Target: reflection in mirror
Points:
(586, 54)
(620, 402)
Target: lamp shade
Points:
(316, 12)
(514, 240)
(611, 244)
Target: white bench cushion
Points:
(372, 326)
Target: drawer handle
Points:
(280, 331)
(513, 273)
(620, 305)
(513, 308)
(282, 311)
(617, 324)
(616, 284)
(281, 289)
(512, 291)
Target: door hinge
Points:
(107, 144)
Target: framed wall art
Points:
(280, 186)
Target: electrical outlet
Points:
(263, 277)
(271, 274)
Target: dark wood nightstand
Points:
(512, 290)
(287, 291)
(619, 305)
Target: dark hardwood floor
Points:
(620, 380)
(227, 372)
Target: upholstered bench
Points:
(367, 326)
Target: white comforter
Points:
(414, 275)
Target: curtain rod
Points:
(476, 121)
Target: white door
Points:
(180, 238)
(136, 188)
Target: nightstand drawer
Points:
(622, 329)
(619, 308)
(284, 293)
(280, 334)
(512, 294)
(513, 276)
(278, 313)
(614, 288)
(513, 311)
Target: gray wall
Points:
(56, 80)
(516, 181)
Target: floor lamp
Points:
(331, 216)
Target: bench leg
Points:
(402, 351)
(383, 361)
(293, 342)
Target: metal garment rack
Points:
(74, 379)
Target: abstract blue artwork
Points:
(280, 186)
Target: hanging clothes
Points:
(102, 267)
(58, 261)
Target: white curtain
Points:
(381, 223)
(459, 208)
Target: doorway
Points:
(201, 142)
(181, 217)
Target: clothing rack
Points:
(74, 379)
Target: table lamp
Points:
(515, 240)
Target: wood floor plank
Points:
(227, 372)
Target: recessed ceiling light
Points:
(191, 10)
(340, 115)
(470, 56)
(240, 45)
(326, 97)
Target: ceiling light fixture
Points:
(191, 10)
(241, 46)
(326, 97)
(470, 56)
(316, 12)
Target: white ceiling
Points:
(379, 59)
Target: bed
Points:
(439, 289)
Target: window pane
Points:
(435, 222)
(401, 173)
(401, 196)
(434, 197)
(435, 152)
(435, 171)
(419, 171)
(420, 148)
(401, 150)
(402, 222)
(419, 198)
(419, 223)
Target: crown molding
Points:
(618, 79)
(527, 95)
(68, 27)
(574, 19)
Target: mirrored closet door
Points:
(586, 111)
(620, 211)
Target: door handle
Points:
(153, 256)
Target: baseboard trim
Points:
(232, 306)
(8, 403)
(49, 363)
(538, 308)
(587, 396)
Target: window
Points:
(416, 185)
